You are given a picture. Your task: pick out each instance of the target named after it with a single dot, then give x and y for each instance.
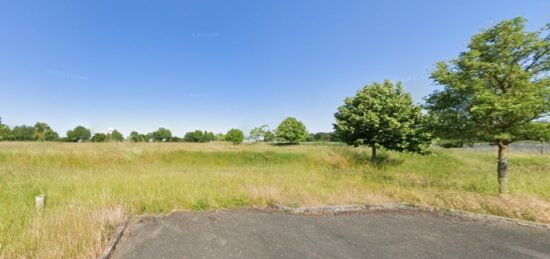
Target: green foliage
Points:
(234, 136)
(99, 137)
(199, 136)
(383, 115)
(269, 136)
(541, 131)
(160, 135)
(43, 132)
(219, 137)
(23, 133)
(452, 143)
(495, 88)
(193, 136)
(209, 136)
(258, 134)
(291, 130)
(78, 134)
(5, 132)
(176, 139)
(323, 137)
(116, 136)
(136, 137)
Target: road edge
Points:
(108, 252)
(335, 209)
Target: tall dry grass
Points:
(91, 187)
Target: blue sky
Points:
(185, 65)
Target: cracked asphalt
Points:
(251, 233)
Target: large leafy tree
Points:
(199, 136)
(43, 132)
(161, 135)
(208, 136)
(382, 115)
(99, 137)
(194, 136)
(137, 137)
(115, 136)
(495, 89)
(79, 134)
(23, 133)
(235, 136)
(292, 131)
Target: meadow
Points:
(92, 187)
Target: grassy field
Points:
(91, 187)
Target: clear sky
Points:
(214, 65)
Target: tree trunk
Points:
(501, 168)
(542, 149)
(373, 157)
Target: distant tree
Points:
(325, 137)
(115, 136)
(199, 136)
(291, 130)
(194, 136)
(136, 137)
(5, 132)
(23, 133)
(160, 135)
(382, 115)
(540, 131)
(176, 139)
(257, 134)
(234, 136)
(99, 137)
(219, 137)
(150, 137)
(544, 131)
(78, 134)
(495, 89)
(43, 132)
(269, 136)
(209, 136)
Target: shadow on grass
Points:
(381, 160)
(284, 144)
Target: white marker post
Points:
(40, 202)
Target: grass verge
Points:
(91, 186)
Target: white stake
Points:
(40, 201)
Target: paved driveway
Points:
(271, 234)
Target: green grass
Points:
(91, 187)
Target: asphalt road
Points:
(270, 234)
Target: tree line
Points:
(290, 131)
